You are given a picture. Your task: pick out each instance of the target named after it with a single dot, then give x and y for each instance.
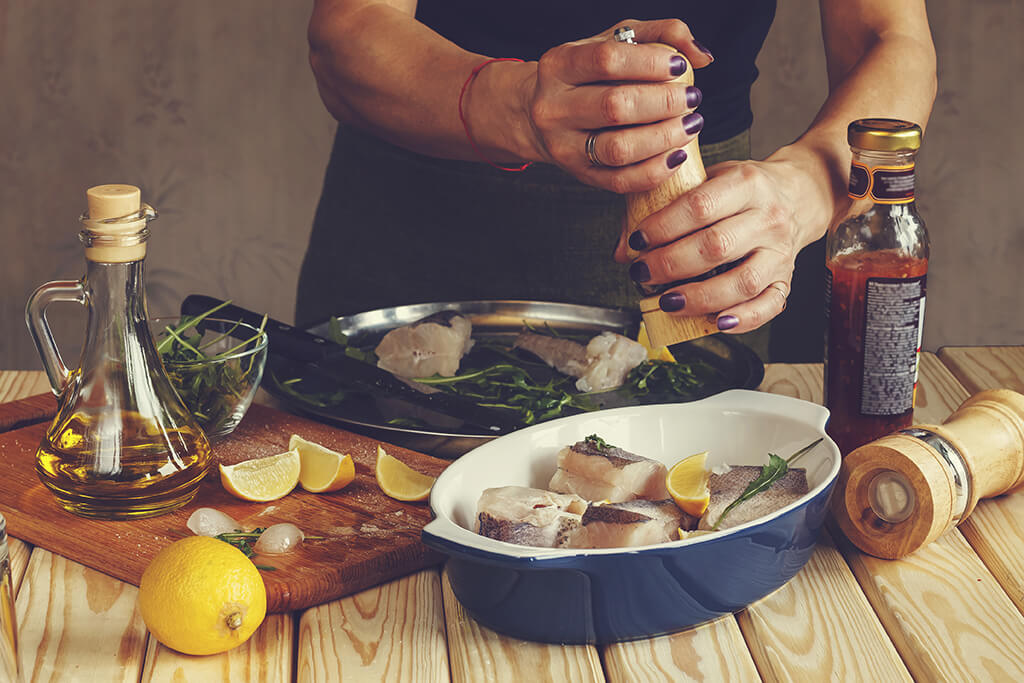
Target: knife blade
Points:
(322, 355)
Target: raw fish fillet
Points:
(526, 516)
(727, 487)
(608, 473)
(600, 365)
(564, 355)
(610, 357)
(632, 523)
(432, 346)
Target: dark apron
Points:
(394, 227)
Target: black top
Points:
(733, 30)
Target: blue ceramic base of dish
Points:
(630, 595)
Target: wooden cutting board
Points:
(369, 538)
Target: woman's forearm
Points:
(881, 62)
(379, 69)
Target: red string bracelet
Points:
(465, 124)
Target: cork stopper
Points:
(115, 224)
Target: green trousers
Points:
(394, 227)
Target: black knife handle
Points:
(283, 339)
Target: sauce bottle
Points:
(122, 444)
(877, 262)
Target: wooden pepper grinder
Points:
(662, 328)
(904, 490)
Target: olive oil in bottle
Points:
(122, 445)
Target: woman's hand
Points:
(755, 215)
(624, 91)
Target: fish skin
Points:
(631, 523)
(728, 486)
(528, 516)
(609, 473)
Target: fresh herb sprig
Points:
(209, 385)
(775, 469)
(504, 385)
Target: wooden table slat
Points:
(477, 653)
(393, 632)
(265, 658)
(996, 527)
(710, 652)
(74, 622)
(944, 610)
(820, 621)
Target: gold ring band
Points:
(590, 148)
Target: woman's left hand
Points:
(758, 214)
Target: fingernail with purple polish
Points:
(700, 46)
(694, 97)
(676, 158)
(727, 322)
(693, 123)
(639, 272)
(637, 241)
(677, 65)
(673, 301)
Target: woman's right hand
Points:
(627, 93)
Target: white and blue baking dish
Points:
(608, 595)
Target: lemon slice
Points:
(687, 483)
(400, 481)
(660, 353)
(262, 479)
(322, 470)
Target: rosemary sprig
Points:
(770, 473)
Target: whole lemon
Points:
(201, 596)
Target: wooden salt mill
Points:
(904, 490)
(664, 329)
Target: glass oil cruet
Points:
(123, 445)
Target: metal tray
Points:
(499, 321)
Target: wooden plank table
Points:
(953, 611)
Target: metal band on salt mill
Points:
(906, 489)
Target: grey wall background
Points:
(211, 108)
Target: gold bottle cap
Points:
(115, 224)
(884, 135)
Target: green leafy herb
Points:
(667, 377)
(243, 540)
(210, 385)
(509, 386)
(770, 473)
(597, 442)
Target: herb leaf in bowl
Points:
(214, 365)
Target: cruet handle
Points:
(35, 316)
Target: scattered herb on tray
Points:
(524, 385)
(209, 388)
(775, 469)
(509, 386)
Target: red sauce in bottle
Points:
(864, 408)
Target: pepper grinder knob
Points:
(904, 490)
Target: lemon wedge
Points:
(660, 353)
(398, 480)
(321, 469)
(687, 483)
(262, 479)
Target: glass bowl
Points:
(219, 388)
